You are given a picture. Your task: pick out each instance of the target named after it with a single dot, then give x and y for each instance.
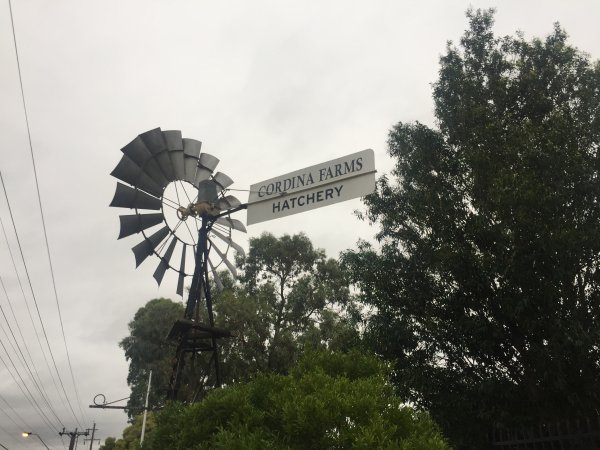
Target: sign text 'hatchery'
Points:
(324, 184)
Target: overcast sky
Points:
(269, 87)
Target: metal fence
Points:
(570, 434)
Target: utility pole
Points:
(145, 409)
(92, 438)
(73, 436)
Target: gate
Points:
(570, 434)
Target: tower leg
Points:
(175, 381)
(188, 340)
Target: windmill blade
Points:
(191, 148)
(147, 246)
(228, 241)
(228, 263)
(222, 180)
(181, 272)
(130, 173)
(231, 223)
(208, 161)
(156, 143)
(128, 197)
(159, 273)
(202, 174)
(135, 223)
(137, 151)
(175, 146)
(228, 202)
(191, 153)
(216, 276)
(206, 165)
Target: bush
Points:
(329, 400)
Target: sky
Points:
(269, 87)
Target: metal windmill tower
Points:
(166, 173)
(169, 174)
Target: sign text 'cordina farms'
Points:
(323, 184)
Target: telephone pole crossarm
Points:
(73, 435)
(93, 430)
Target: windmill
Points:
(190, 234)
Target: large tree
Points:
(301, 297)
(289, 296)
(146, 349)
(486, 286)
(132, 434)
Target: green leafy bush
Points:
(329, 400)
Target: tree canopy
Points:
(289, 297)
(297, 298)
(147, 349)
(486, 287)
(328, 400)
(131, 435)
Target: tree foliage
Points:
(487, 286)
(132, 434)
(290, 296)
(147, 349)
(329, 400)
(109, 443)
(297, 297)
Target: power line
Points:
(24, 362)
(35, 300)
(7, 433)
(35, 332)
(37, 187)
(31, 377)
(24, 389)
(14, 414)
(33, 374)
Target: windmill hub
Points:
(168, 174)
(198, 209)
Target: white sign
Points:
(324, 184)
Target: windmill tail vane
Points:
(182, 213)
